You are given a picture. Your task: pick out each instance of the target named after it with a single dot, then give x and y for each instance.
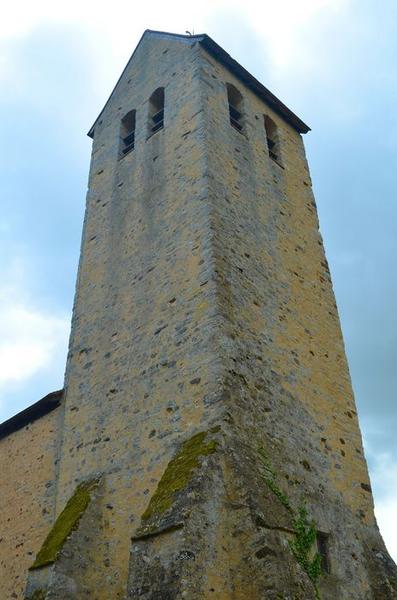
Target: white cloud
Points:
(279, 24)
(386, 511)
(383, 472)
(31, 340)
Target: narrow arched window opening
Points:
(156, 111)
(127, 133)
(235, 101)
(272, 138)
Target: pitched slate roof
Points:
(234, 67)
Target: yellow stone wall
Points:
(281, 292)
(134, 383)
(28, 471)
(285, 363)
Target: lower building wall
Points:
(27, 467)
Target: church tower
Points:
(209, 446)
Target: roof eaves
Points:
(251, 82)
(32, 413)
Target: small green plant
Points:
(301, 546)
(305, 530)
(270, 478)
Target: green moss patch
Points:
(38, 595)
(178, 473)
(67, 521)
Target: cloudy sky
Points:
(331, 61)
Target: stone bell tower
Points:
(209, 445)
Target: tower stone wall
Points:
(142, 353)
(209, 445)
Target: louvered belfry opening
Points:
(272, 138)
(235, 101)
(127, 133)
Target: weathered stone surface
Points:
(62, 575)
(207, 384)
(28, 473)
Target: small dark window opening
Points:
(127, 133)
(235, 101)
(156, 111)
(272, 139)
(322, 547)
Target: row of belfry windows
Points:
(236, 112)
(156, 121)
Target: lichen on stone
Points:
(67, 521)
(178, 473)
